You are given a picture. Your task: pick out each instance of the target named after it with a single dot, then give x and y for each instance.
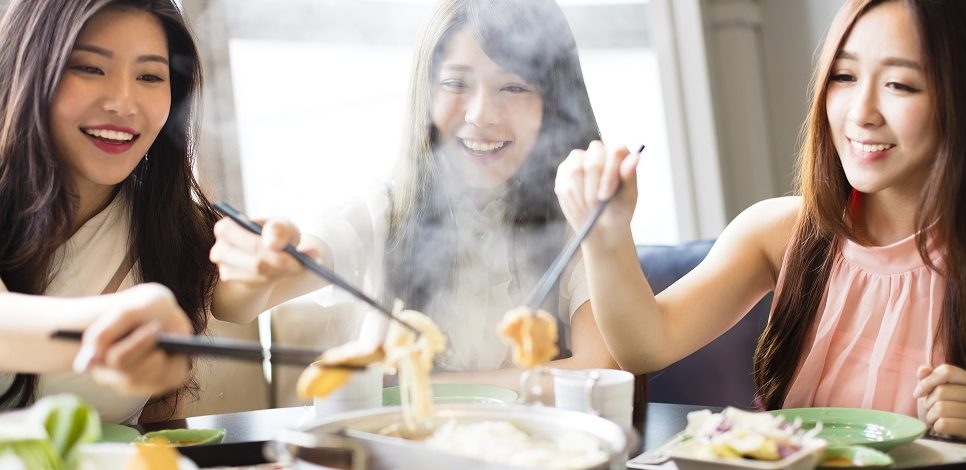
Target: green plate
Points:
(118, 433)
(187, 437)
(458, 393)
(880, 430)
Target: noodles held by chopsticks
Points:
(531, 334)
(412, 357)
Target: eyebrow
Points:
(890, 61)
(106, 53)
(458, 67)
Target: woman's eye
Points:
(515, 89)
(150, 78)
(842, 77)
(901, 87)
(87, 69)
(454, 84)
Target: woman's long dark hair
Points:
(826, 195)
(532, 39)
(171, 219)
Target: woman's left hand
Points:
(941, 399)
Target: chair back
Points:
(719, 374)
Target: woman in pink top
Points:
(868, 263)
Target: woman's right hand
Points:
(254, 260)
(120, 350)
(590, 176)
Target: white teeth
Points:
(110, 135)
(870, 148)
(482, 146)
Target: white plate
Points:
(114, 455)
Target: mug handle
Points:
(589, 385)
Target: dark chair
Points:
(719, 374)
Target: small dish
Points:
(186, 437)
(805, 459)
(854, 457)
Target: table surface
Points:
(663, 420)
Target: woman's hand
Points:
(251, 259)
(589, 176)
(119, 348)
(941, 399)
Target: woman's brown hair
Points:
(171, 219)
(532, 39)
(824, 223)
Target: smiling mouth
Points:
(481, 147)
(870, 148)
(111, 136)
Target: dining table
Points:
(247, 432)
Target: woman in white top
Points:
(470, 221)
(96, 196)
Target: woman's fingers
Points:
(128, 353)
(568, 185)
(943, 374)
(245, 257)
(611, 175)
(593, 167)
(941, 399)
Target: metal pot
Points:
(355, 433)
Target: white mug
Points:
(608, 393)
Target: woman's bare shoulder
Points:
(772, 225)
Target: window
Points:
(318, 91)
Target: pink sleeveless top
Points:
(877, 324)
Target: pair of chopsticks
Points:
(322, 271)
(227, 348)
(540, 291)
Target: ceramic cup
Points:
(607, 393)
(362, 391)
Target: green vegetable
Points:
(33, 454)
(70, 423)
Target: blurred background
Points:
(305, 99)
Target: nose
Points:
(481, 110)
(864, 109)
(119, 97)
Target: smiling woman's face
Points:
(113, 98)
(488, 119)
(879, 104)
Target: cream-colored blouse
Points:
(84, 266)
(484, 288)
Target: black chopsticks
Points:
(223, 347)
(540, 291)
(325, 273)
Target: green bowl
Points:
(854, 456)
(458, 393)
(186, 437)
(117, 433)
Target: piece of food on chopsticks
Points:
(329, 373)
(531, 334)
(411, 357)
(319, 381)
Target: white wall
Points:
(792, 31)
(761, 55)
